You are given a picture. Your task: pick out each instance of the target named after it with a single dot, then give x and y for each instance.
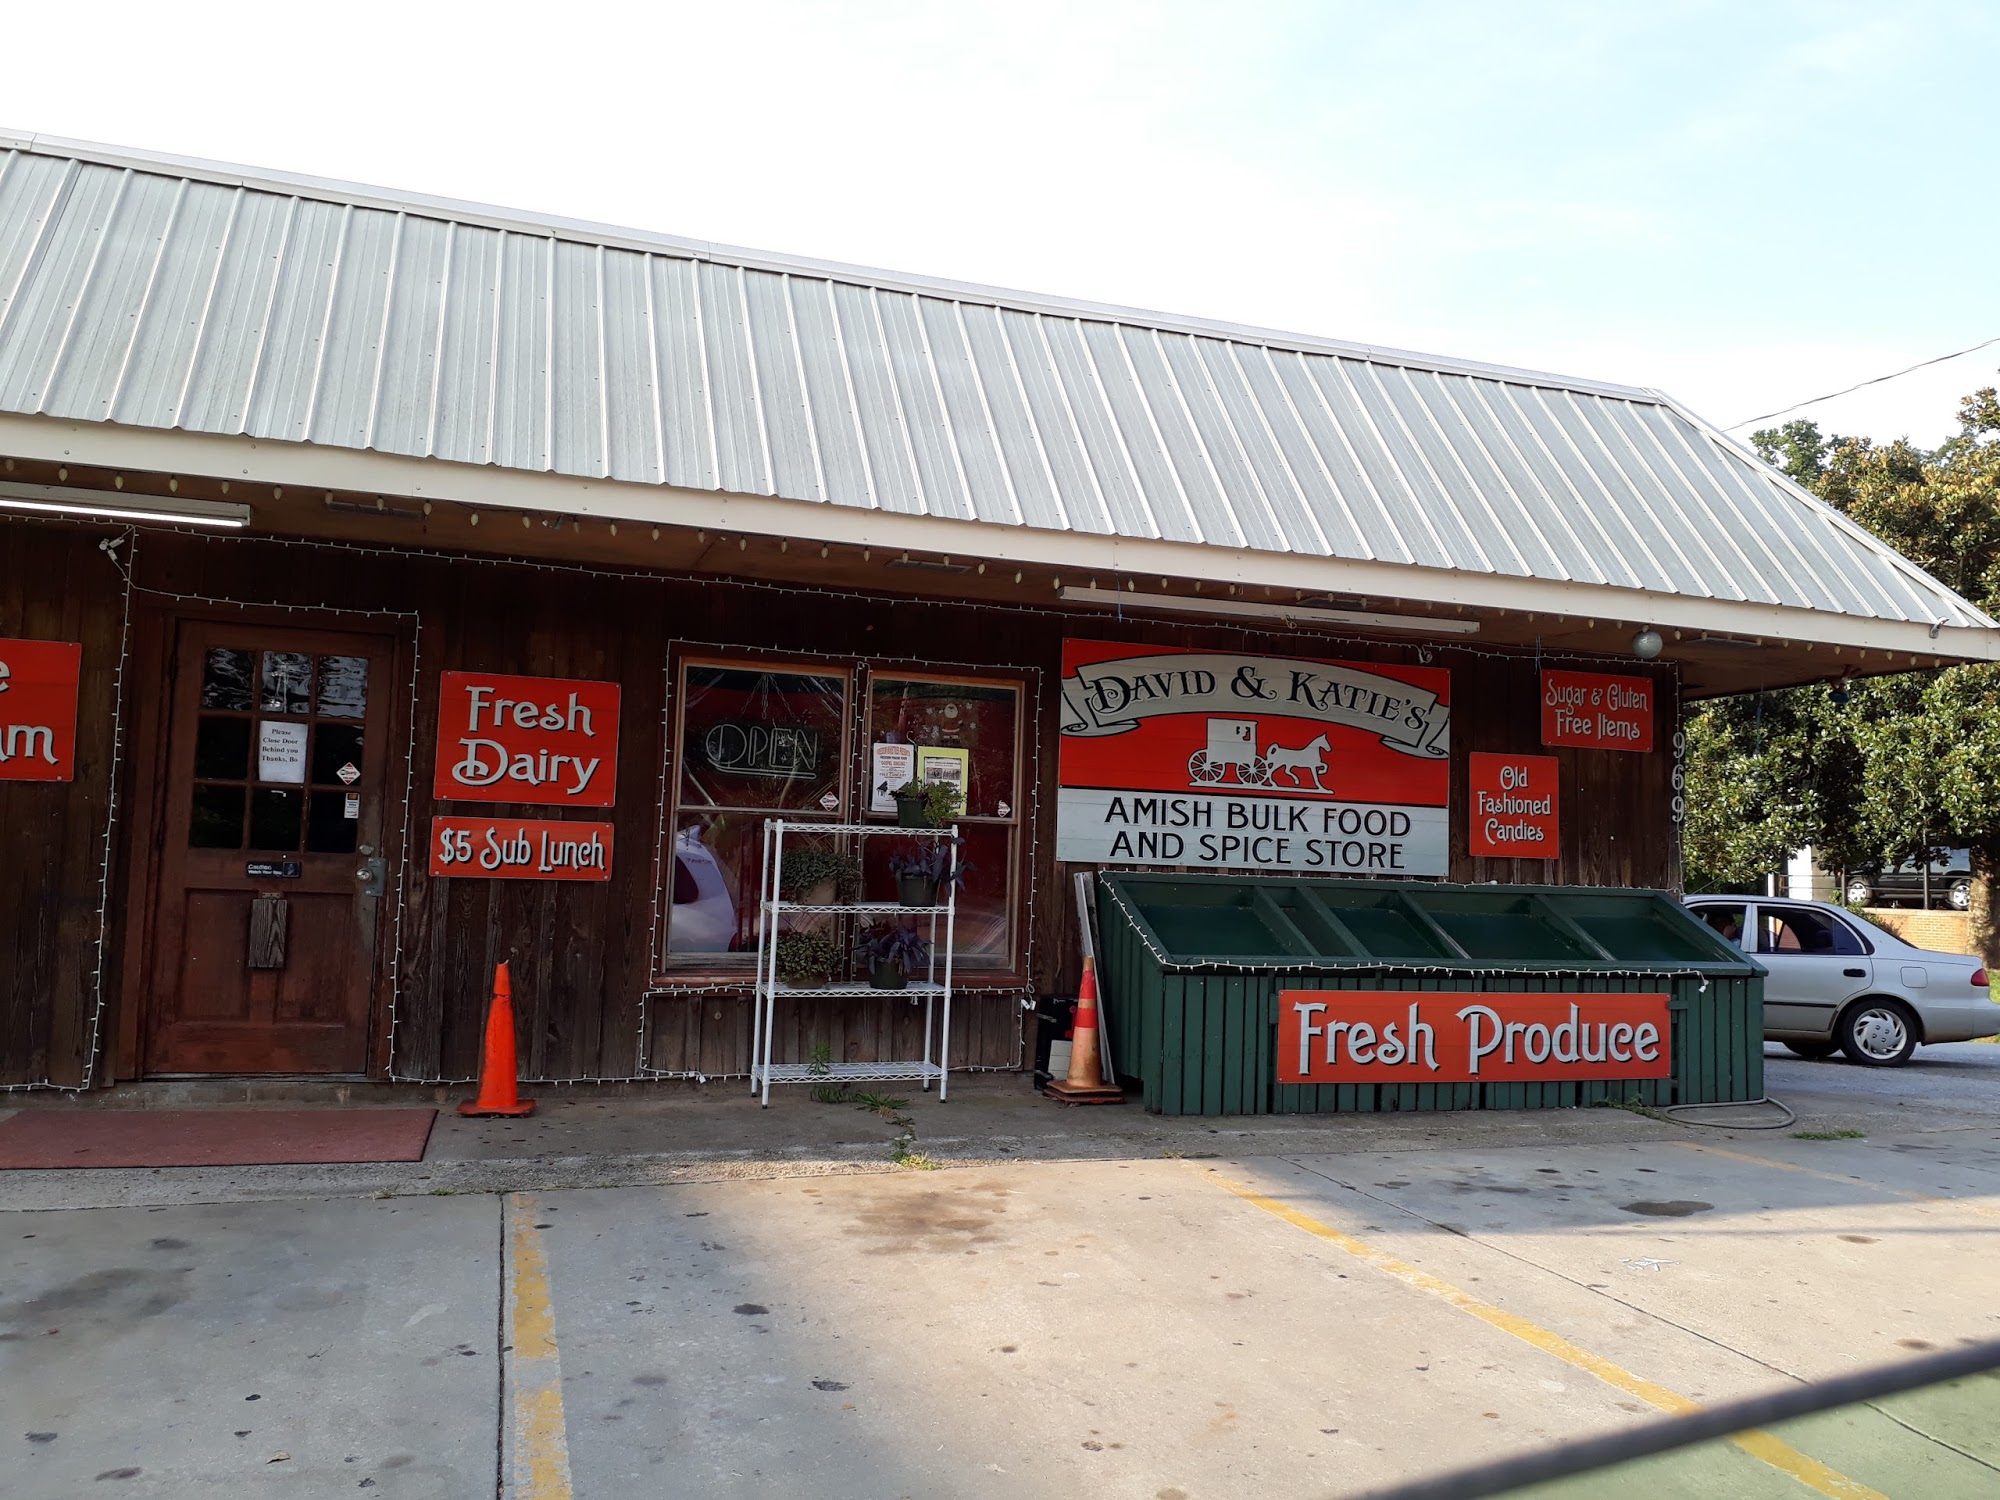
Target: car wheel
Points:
(1878, 1033)
(1858, 892)
(1814, 1051)
(1959, 895)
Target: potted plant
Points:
(893, 953)
(922, 867)
(809, 957)
(814, 875)
(926, 804)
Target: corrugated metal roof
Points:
(166, 294)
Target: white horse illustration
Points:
(1310, 758)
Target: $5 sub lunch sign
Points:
(542, 741)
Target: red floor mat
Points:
(98, 1137)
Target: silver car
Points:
(1840, 983)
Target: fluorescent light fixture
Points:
(1250, 609)
(116, 505)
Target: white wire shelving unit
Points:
(934, 990)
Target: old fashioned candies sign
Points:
(1597, 711)
(549, 741)
(1441, 1036)
(38, 682)
(1514, 805)
(1233, 762)
(514, 849)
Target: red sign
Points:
(1516, 805)
(1432, 1036)
(1219, 760)
(1597, 711)
(38, 710)
(546, 740)
(513, 849)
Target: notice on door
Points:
(1515, 805)
(38, 688)
(1388, 1036)
(517, 849)
(1220, 761)
(281, 751)
(548, 741)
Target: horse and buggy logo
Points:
(1232, 751)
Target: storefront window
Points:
(967, 732)
(754, 740)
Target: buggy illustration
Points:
(1232, 746)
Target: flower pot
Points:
(916, 890)
(888, 976)
(910, 811)
(816, 895)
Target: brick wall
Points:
(1940, 931)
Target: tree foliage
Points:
(1889, 768)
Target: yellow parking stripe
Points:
(1760, 1445)
(539, 1434)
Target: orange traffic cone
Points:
(1085, 1084)
(498, 1094)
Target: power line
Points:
(1920, 364)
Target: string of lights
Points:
(1247, 634)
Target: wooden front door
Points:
(271, 851)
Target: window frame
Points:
(1014, 972)
(861, 673)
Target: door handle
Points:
(1855, 973)
(371, 874)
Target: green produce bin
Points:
(1191, 967)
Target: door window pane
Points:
(222, 748)
(225, 680)
(329, 830)
(343, 687)
(277, 815)
(287, 685)
(335, 747)
(1797, 930)
(218, 818)
(281, 751)
(1726, 920)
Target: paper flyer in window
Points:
(889, 767)
(281, 751)
(952, 767)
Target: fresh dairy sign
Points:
(38, 683)
(1223, 761)
(549, 741)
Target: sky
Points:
(1744, 204)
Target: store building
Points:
(390, 586)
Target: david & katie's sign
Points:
(549, 741)
(1223, 761)
(1597, 711)
(38, 686)
(1441, 1036)
(1515, 805)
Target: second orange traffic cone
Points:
(1085, 1084)
(499, 1092)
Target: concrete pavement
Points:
(1080, 1302)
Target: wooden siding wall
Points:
(55, 584)
(581, 952)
